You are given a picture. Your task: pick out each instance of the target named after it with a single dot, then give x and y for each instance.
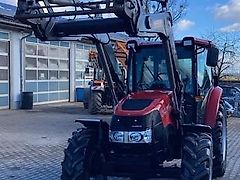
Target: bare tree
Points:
(229, 50)
(178, 8)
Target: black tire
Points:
(86, 97)
(197, 157)
(82, 158)
(219, 135)
(95, 102)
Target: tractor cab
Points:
(148, 72)
(148, 69)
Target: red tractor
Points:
(151, 125)
(173, 107)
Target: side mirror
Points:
(212, 57)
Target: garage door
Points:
(47, 70)
(82, 54)
(4, 70)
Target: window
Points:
(3, 74)
(42, 75)
(31, 74)
(151, 69)
(63, 53)
(64, 44)
(185, 66)
(63, 75)
(53, 52)
(31, 49)
(4, 35)
(53, 75)
(53, 64)
(56, 43)
(82, 54)
(31, 62)
(204, 72)
(31, 39)
(63, 64)
(42, 63)
(42, 51)
(148, 70)
(4, 47)
(4, 61)
(79, 75)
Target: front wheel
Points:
(197, 157)
(82, 159)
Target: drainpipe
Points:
(21, 61)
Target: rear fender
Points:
(211, 105)
(196, 128)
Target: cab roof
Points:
(197, 41)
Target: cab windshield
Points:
(148, 69)
(150, 72)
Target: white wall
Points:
(15, 71)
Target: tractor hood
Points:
(143, 103)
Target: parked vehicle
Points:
(98, 97)
(231, 94)
(172, 109)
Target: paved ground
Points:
(32, 142)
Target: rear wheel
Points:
(197, 157)
(219, 135)
(95, 102)
(82, 159)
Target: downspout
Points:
(21, 61)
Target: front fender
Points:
(211, 105)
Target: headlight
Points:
(135, 137)
(131, 137)
(116, 136)
(147, 136)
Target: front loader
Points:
(173, 107)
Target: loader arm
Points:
(70, 19)
(52, 19)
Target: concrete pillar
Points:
(72, 71)
(15, 70)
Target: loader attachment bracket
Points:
(98, 125)
(92, 123)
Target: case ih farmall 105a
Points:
(173, 108)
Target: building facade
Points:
(51, 70)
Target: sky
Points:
(203, 17)
(207, 16)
